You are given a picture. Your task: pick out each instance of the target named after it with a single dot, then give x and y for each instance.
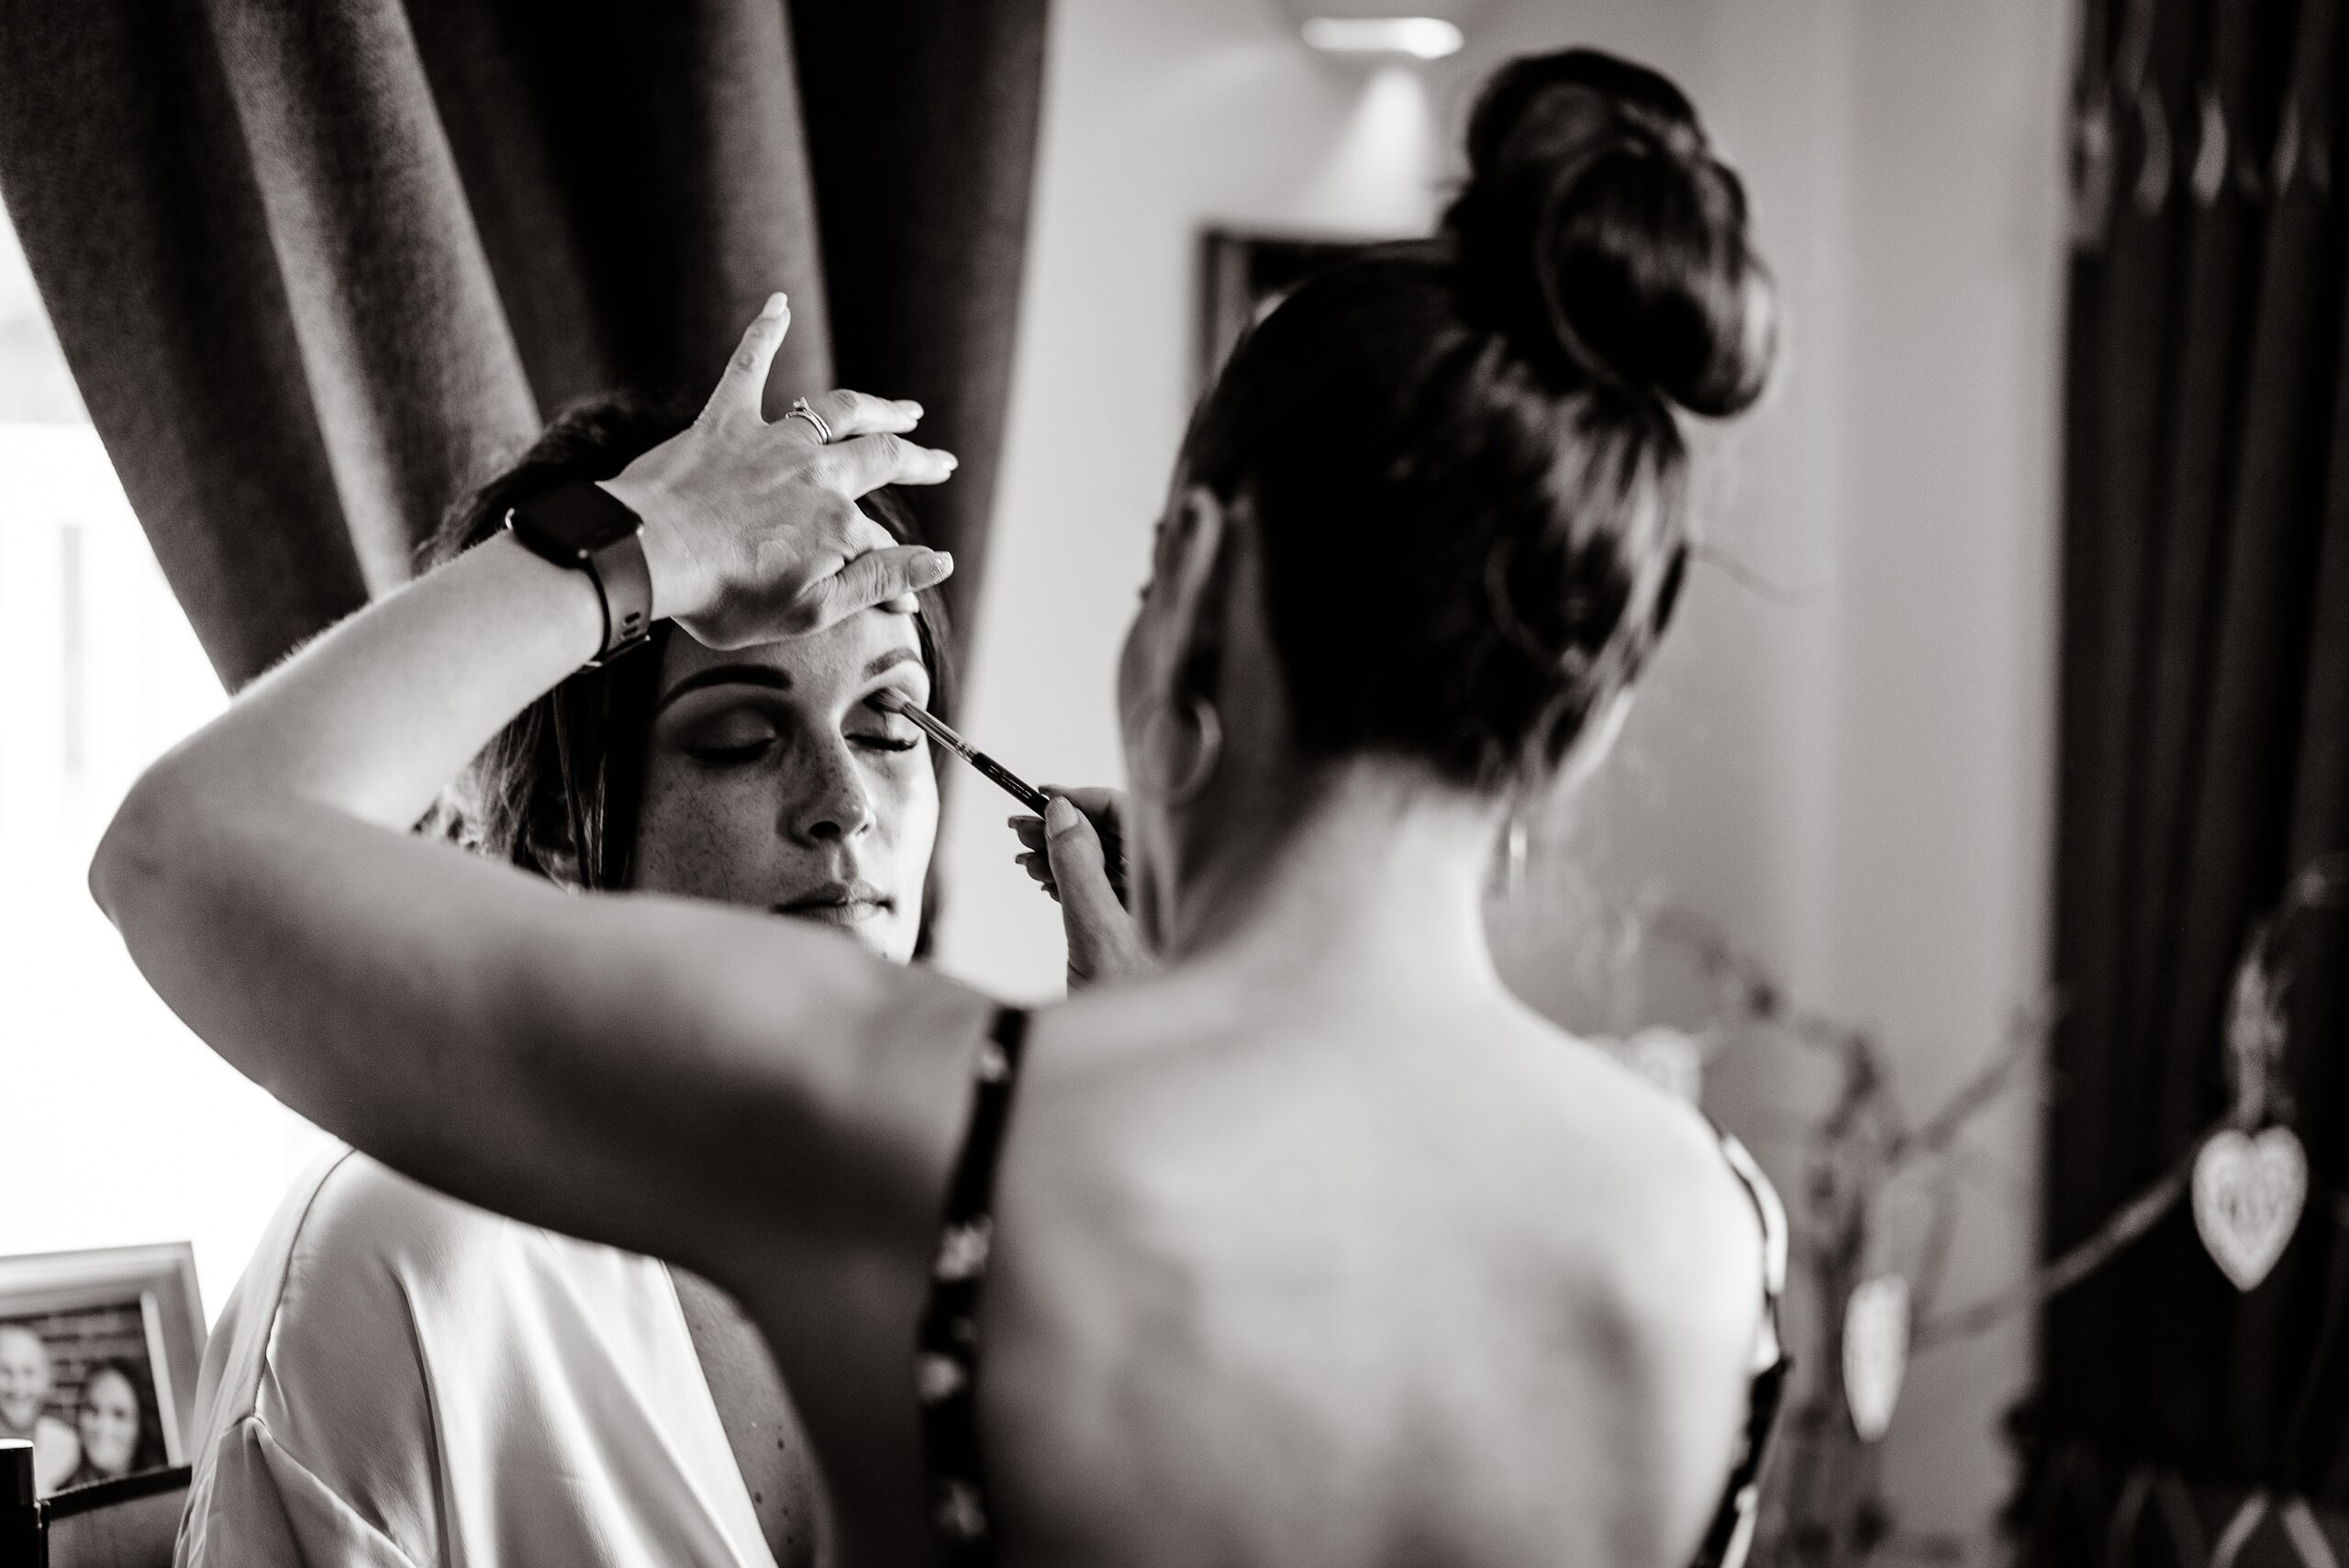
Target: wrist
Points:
(567, 603)
(672, 566)
(585, 529)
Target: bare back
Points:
(1301, 1283)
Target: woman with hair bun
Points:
(1302, 1243)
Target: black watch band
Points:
(588, 528)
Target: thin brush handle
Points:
(1113, 842)
(1011, 784)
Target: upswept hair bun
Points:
(1464, 458)
(1600, 232)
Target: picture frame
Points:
(1244, 273)
(93, 1341)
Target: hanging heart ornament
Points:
(1876, 1353)
(2248, 1192)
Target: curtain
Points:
(2205, 764)
(317, 267)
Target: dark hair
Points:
(1462, 456)
(148, 1453)
(567, 774)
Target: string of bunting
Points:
(2247, 1172)
(2246, 1175)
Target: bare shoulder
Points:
(1679, 1233)
(1571, 1156)
(1548, 1277)
(1656, 1248)
(1562, 1153)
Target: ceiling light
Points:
(1421, 37)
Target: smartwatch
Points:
(585, 528)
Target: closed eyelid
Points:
(907, 680)
(691, 713)
(716, 706)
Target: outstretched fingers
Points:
(852, 414)
(739, 391)
(803, 557)
(875, 577)
(864, 464)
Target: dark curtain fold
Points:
(318, 267)
(923, 258)
(2205, 747)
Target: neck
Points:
(1375, 880)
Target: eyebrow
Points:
(770, 677)
(765, 675)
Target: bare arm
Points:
(641, 1069)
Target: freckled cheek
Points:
(908, 810)
(706, 838)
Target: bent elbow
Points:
(130, 853)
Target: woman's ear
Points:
(1190, 581)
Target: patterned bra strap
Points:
(946, 1358)
(1731, 1535)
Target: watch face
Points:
(584, 527)
(573, 521)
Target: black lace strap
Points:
(946, 1359)
(1731, 1535)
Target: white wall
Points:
(1158, 118)
(116, 1128)
(1855, 783)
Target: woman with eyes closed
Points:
(788, 733)
(1308, 1246)
(403, 1378)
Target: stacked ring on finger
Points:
(801, 410)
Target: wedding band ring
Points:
(799, 410)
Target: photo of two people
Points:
(90, 1417)
(90, 1346)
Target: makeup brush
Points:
(938, 729)
(1113, 848)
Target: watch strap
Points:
(584, 528)
(625, 578)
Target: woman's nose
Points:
(831, 804)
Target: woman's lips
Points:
(840, 904)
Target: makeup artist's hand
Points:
(752, 529)
(1076, 852)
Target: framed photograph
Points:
(98, 1359)
(1243, 273)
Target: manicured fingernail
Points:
(951, 461)
(777, 303)
(939, 564)
(1061, 814)
(910, 407)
